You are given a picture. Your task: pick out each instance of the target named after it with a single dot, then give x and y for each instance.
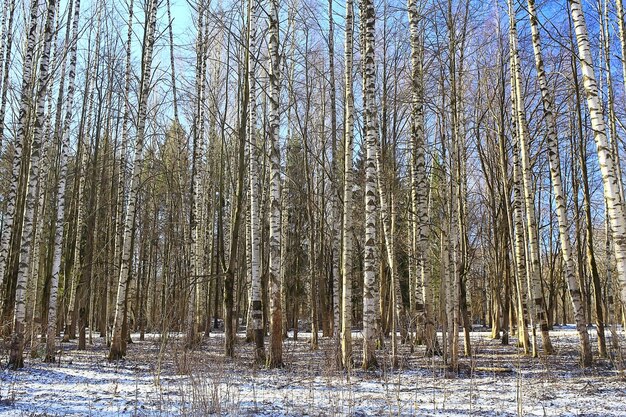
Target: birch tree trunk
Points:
(605, 61)
(253, 193)
(117, 351)
(334, 180)
(16, 358)
(526, 174)
(593, 269)
(41, 202)
(621, 24)
(559, 194)
(275, 358)
(385, 210)
(581, 152)
(370, 284)
(18, 146)
(7, 44)
(346, 254)
(56, 133)
(419, 187)
(3, 43)
(60, 205)
(195, 217)
(121, 180)
(612, 193)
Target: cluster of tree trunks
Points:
(443, 192)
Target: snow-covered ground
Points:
(160, 380)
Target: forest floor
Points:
(158, 379)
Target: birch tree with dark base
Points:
(255, 233)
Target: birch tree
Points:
(419, 186)
(525, 171)
(559, 195)
(121, 180)
(255, 233)
(612, 193)
(348, 141)
(16, 165)
(64, 139)
(195, 217)
(334, 180)
(16, 359)
(275, 358)
(370, 285)
(5, 55)
(117, 351)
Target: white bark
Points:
(121, 180)
(370, 284)
(275, 358)
(16, 359)
(7, 44)
(117, 351)
(16, 165)
(559, 194)
(253, 193)
(196, 238)
(346, 258)
(612, 194)
(334, 181)
(529, 202)
(60, 206)
(419, 188)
